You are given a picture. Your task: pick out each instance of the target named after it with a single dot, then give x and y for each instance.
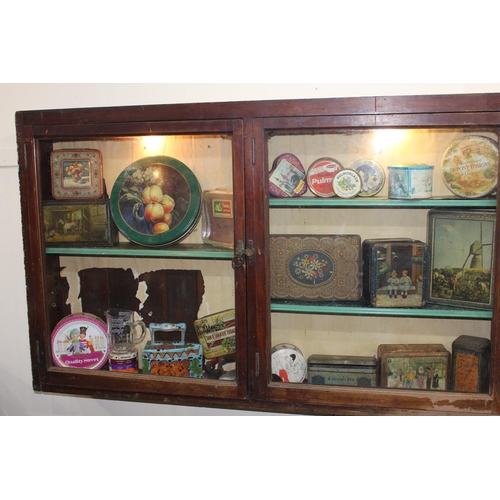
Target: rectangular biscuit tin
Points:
(325, 369)
(470, 365)
(316, 267)
(394, 272)
(217, 333)
(414, 366)
(163, 356)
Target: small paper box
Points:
(394, 272)
(316, 268)
(414, 366)
(163, 356)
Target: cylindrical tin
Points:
(123, 362)
(288, 363)
(372, 176)
(320, 176)
(410, 182)
(347, 183)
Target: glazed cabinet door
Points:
(159, 242)
(371, 280)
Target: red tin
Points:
(320, 176)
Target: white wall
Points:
(16, 394)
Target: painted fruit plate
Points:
(156, 201)
(470, 166)
(80, 341)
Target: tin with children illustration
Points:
(394, 273)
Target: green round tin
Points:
(156, 201)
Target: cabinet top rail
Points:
(420, 104)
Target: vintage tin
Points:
(410, 182)
(414, 366)
(217, 218)
(288, 363)
(316, 267)
(372, 176)
(470, 166)
(287, 178)
(325, 369)
(217, 333)
(320, 176)
(394, 272)
(347, 183)
(470, 365)
(175, 358)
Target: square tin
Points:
(414, 366)
(394, 272)
(217, 218)
(316, 267)
(164, 356)
(470, 365)
(358, 371)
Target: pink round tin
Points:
(320, 176)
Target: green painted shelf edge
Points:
(381, 202)
(428, 311)
(180, 251)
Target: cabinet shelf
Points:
(360, 309)
(181, 251)
(381, 202)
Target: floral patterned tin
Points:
(470, 166)
(288, 363)
(347, 183)
(316, 267)
(320, 176)
(410, 182)
(287, 178)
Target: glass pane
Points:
(341, 298)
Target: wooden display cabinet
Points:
(233, 145)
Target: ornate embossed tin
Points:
(414, 366)
(288, 363)
(320, 176)
(410, 182)
(470, 166)
(287, 178)
(325, 369)
(470, 366)
(316, 267)
(76, 174)
(394, 272)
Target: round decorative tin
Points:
(470, 166)
(320, 176)
(287, 178)
(288, 363)
(347, 183)
(156, 201)
(410, 182)
(80, 341)
(372, 176)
